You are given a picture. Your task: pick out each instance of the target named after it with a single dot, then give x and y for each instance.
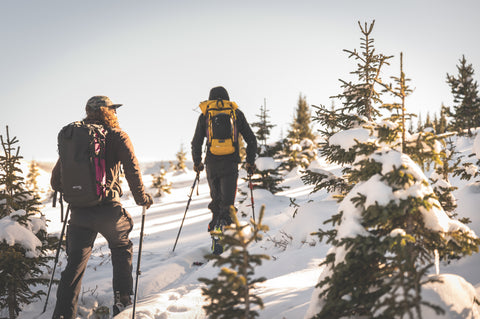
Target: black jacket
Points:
(119, 151)
(243, 128)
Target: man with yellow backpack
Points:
(220, 123)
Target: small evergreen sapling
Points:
(160, 183)
(301, 127)
(33, 173)
(181, 159)
(230, 294)
(361, 100)
(466, 110)
(299, 147)
(267, 175)
(264, 128)
(22, 262)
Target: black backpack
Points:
(81, 147)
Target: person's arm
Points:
(197, 141)
(132, 171)
(248, 136)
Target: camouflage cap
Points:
(95, 102)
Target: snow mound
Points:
(454, 295)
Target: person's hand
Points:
(149, 201)
(250, 168)
(198, 167)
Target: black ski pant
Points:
(222, 176)
(114, 223)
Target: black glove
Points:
(198, 167)
(250, 168)
(149, 201)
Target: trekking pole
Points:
(58, 251)
(197, 179)
(138, 261)
(251, 195)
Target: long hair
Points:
(104, 115)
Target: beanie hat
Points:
(217, 93)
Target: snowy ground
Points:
(168, 286)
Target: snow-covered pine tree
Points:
(230, 295)
(160, 183)
(388, 228)
(263, 131)
(442, 122)
(360, 97)
(360, 100)
(23, 241)
(299, 147)
(301, 126)
(33, 173)
(267, 175)
(441, 179)
(466, 108)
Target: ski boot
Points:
(120, 303)
(216, 234)
(102, 312)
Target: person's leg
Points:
(215, 194)
(79, 247)
(115, 224)
(228, 187)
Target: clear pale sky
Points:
(160, 59)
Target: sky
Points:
(161, 58)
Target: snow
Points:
(296, 147)
(169, 286)
(12, 233)
(266, 163)
(347, 139)
(456, 296)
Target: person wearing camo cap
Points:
(108, 218)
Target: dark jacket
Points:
(118, 152)
(243, 128)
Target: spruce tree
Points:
(361, 101)
(442, 122)
(181, 159)
(299, 147)
(360, 97)
(301, 126)
(466, 108)
(386, 233)
(263, 131)
(22, 266)
(160, 183)
(230, 294)
(33, 173)
(441, 179)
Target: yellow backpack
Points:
(221, 121)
